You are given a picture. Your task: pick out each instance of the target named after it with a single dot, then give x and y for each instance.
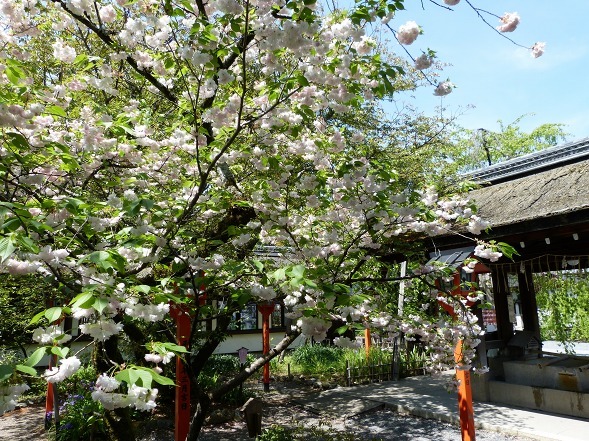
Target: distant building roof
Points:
(551, 192)
(533, 163)
(452, 258)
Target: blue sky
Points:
(500, 79)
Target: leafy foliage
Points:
(563, 305)
(20, 299)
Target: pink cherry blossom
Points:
(538, 49)
(444, 88)
(423, 62)
(408, 32)
(510, 21)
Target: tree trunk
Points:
(198, 418)
(119, 422)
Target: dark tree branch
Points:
(145, 73)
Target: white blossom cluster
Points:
(50, 335)
(102, 329)
(140, 398)
(67, 367)
(159, 358)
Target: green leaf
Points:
(135, 375)
(59, 351)
(160, 379)
(6, 372)
(6, 248)
(56, 110)
(14, 74)
(124, 376)
(37, 317)
(172, 347)
(507, 250)
(18, 141)
(279, 274)
(259, 265)
(82, 300)
(11, 225)
(164, 381)
(28, 244)
(99, 304)
(342, 329)
(98, 256)
(297, 271)
(26, 369)
(145, 377)
(53, 314)
(142, 288)
(36, 357)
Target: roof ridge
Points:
(530, 163)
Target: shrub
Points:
(219, 368)
(318, 359)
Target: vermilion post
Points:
(182, 402)
(266, 309)
(367, 342)
(50, 396)
(465, 406)
(49, 399)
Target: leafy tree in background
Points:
(474, 149)
(150, 149)
(563, 304)
(20, 299)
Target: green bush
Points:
(217, 369)
(318, 359)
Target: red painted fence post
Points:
(465, 405)
(182, 401)
(266, 309)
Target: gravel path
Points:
(23, 424)
(381, 424)
(27, 424)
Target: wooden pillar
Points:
(528, 302)
(50, 396)
(367, 342)
(182, 396)
(266, 309)
(465, 406)
(500, 292)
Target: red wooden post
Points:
(367, 342)
(49, 397)
(182, 402)
(266, 309)
(465, 406)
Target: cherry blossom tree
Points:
(152, 148)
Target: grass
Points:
(328, 363)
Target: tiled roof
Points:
(533, 163)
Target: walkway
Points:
(426, 397)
